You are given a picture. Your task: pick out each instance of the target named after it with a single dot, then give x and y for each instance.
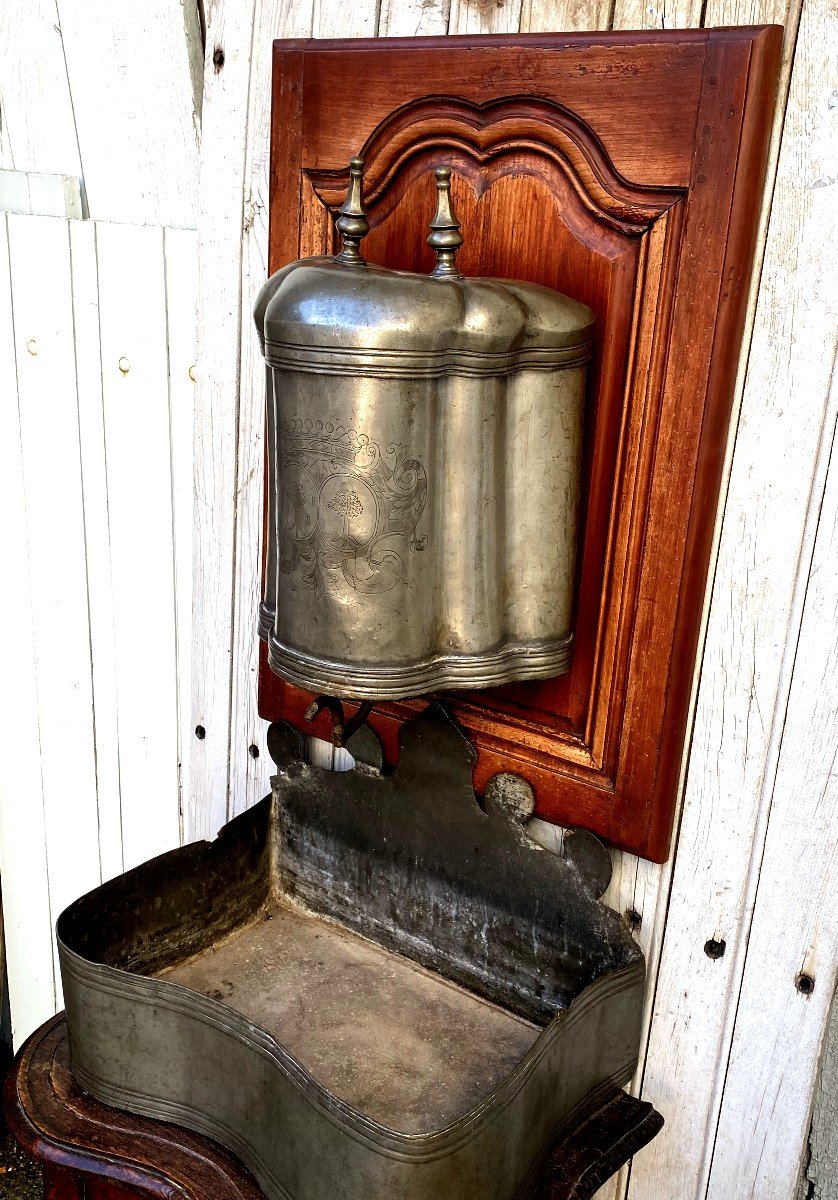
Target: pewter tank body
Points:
(424, 456)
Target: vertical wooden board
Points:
(251, 769)
(755, 613)
(135, 108)
(137, 439)
(38, 125)
(658, 14)
(181, 259)
(39, 250)
(6, 155)
(97, 543)
(774, 1052)
(355, 18)
(774, 1055)
(719, 13)
(550, 16)
(224, 131)
(484, 16)
(321, 753)
(23, 856)
(638, 892)
(413, 18)
(819, 1176)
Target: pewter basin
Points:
(367, 986)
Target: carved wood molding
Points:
(484, 136)
(534, 128)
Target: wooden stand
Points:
(92, 1152)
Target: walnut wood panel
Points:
(90, 1151)
(625, 170)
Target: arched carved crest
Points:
(514, 134)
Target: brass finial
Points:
(352, 223)
(445, 238)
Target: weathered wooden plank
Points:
(181, 265)
(23, 857)
(41, 194)
(224, 134)
(413, 18)
(354, 18)
(97, 542)
(484, 16)
(773, 1056)
(39, 248)
(250, 766)
(39, 131)
(819, 1176)
(657, 14)
(793, 943)
(551, 16)
(755, 613)
(137, 443)
(135, 108)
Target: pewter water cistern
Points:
(424, 457)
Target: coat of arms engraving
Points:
(347, 512)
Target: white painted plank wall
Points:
(23, 854)
(96, 472)
(791, 917)
(111, 93)
(132, 321)
(181, 265)
(220, 220)
(39, 248)
(758, 809)
(93, 469)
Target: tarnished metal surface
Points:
(425, 447)
(368, 986)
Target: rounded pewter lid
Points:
(342, 314)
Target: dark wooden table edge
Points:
(574, 1169)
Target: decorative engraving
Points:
(347, 512)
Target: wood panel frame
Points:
(651, 149)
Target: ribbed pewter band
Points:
(511, 662)
(323, 360)
(265, 620)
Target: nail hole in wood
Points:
(715, 949)
(633, 918)
(218, 59)
(200, 732)
(253, 751)
(805, 983)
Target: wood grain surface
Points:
(625, 170)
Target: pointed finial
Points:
(445, 238)
(352, 222)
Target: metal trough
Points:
(369, 986)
